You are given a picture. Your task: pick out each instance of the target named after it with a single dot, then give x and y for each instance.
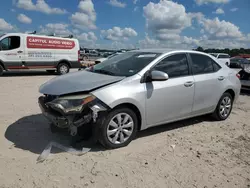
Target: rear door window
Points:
(202, 64)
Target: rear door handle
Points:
(20, 51)
(221, 78)
(188, 84)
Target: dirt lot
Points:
(192, 153)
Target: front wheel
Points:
(63, 68)
(224, 107)
(118, 129)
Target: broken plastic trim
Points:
(96, 109)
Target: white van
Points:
(19, 51)
(222, 57)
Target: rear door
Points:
(208, 82)
(11, 51)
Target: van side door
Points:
(11, 51)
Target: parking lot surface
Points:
(193, 153)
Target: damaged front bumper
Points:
(72, 121)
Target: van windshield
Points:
(125, 64)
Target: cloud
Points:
(4, 26)
(234, 9)
(40, 6)
(24, 19)
(55, 28)
(201, 2)
(87, 37)
(166, 17)
(135, 1)
(118, 34)
(221, 29)
(219, 11)
(136, 8)
(117, 3)
(86, 17)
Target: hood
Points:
(80, 81)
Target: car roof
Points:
(167, 50)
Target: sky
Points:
(175, 24)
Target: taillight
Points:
(238, 75)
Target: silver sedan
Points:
(137, 90)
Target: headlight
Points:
(71, 105)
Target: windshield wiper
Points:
(104, 72)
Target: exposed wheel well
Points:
(135, 109)
(232, 93)
(2, 65)
(66, 62)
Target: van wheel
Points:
(63, 68)
(51, 71)
(224, 107)
(118, 129)
(1, 70)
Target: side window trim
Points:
(169, 55)
(191, 65)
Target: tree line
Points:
(231, 52)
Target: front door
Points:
(172, 99)
(11, 52)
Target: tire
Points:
(106, 140)
(222, 104)
(63, 68)
(51, 71)
(1, 70)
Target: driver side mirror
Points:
(154, 75)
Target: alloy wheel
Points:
(225, 107)
(120, 128)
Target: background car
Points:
(222, 57)
(237, 62)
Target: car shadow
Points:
(26, 73)
(245, 92)
(32, 133)
(175, 125)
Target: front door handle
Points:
(221, 78)
(189, 84)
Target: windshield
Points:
(214, 55)
(126, 64)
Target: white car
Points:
(105, 58)
(22, 51)
(222, 57)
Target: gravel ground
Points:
(194, 153)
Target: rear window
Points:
(224, 56)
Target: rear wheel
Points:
(63, 68)
(1, 70)
(224, 107)
(118, 129)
